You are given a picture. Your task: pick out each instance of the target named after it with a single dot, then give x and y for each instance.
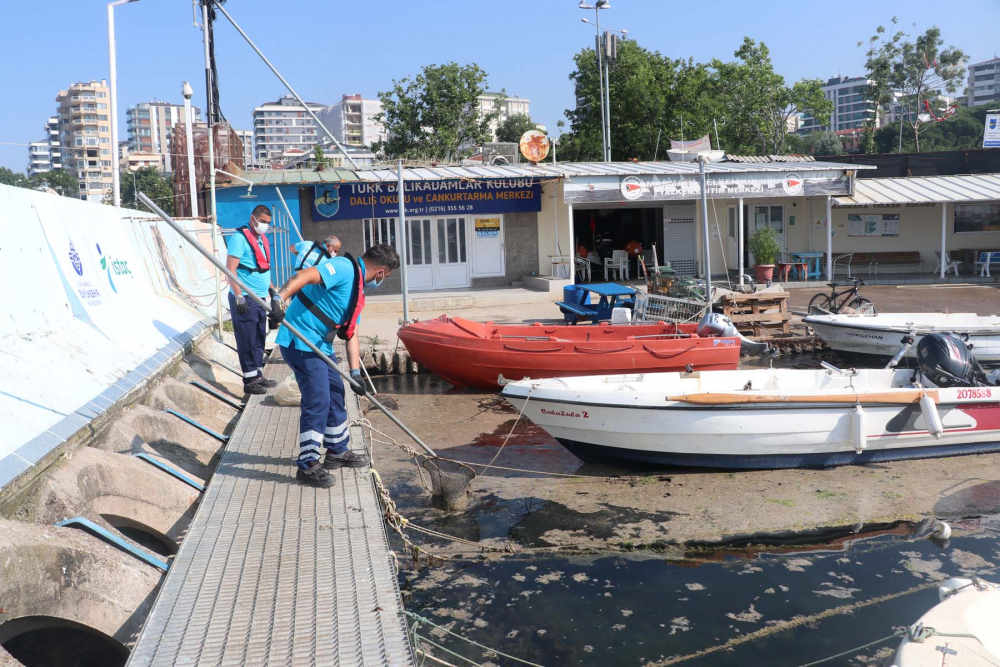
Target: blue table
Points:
(815, 271)
(609, 293)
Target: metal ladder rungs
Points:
(225, 399)
(203, 429)
(88, 526)
(170, 471)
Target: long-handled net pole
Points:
(295, 332)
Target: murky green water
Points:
(796, 599)
(640, 608)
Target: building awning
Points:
(922, 190)
(540, 172)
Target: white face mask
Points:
(261, 226)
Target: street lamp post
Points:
(113, 103)
(605, 113)
(188, 93)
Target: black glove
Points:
(241, 305)
(360, 386)
(277, 308)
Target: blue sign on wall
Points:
(352, 201)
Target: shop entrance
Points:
(437, 253)
(597, 233)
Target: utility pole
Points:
(210, 105)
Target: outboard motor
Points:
(715, 324)
(947, 362)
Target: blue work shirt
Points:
(239, 248)
(306, 255)
(331, 296)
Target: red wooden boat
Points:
(474, 354)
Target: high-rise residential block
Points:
(510, 106)
(983, 83)
(46, 155)
(280, 125)
(352, 121)
(150, 125)
(85, 136)
(851, 106)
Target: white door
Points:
(678, 237)
(769, 215)
(451, 268)
(419, 255)
(487, 247)
(732, 243)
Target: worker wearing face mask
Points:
(249, 256)
(330, 297)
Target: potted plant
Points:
(764, 246)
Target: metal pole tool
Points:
(295, 332)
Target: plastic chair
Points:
(583, 269)
(618, 262)
(845, 261)
(950, 264)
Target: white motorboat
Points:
(879, 335)
(774, 418)
(960, 630)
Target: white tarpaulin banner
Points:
(91, 293)
(702, 144)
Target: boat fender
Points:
(931, 416)
(952, 586)
(858, 434)
(940, 530)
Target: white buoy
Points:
(931, 417)
(858, 435)
(940, 530)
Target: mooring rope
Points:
(423, 619)
(516, 422)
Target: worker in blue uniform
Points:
(311, 253)
(328, 301)
(249, 256)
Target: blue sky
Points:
(329, 47)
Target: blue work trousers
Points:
(323, 415)
(250, 331)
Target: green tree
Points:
(962, 131)
(879, 75)
(650, 95)
(151, 182)
(919, 71)
(10, 177)
(823, 143)
(320, 158)
(435, 115)
(515, 126)
(59, 180)
(757, 103)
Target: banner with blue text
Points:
(352, 201)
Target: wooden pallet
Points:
(760, 315)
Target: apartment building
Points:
(85, 137)
(281, 125)
(983, 79)
(851, 106)
(46, 155)
(246, 136)
(511, 106)
(150, 124)
(352, 121)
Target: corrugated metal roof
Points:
(923, 189)
(545, 171)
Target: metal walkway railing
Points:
(273, 572)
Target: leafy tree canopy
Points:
(59, 180)
(436, 114)
(514, 127)
(148, 180)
